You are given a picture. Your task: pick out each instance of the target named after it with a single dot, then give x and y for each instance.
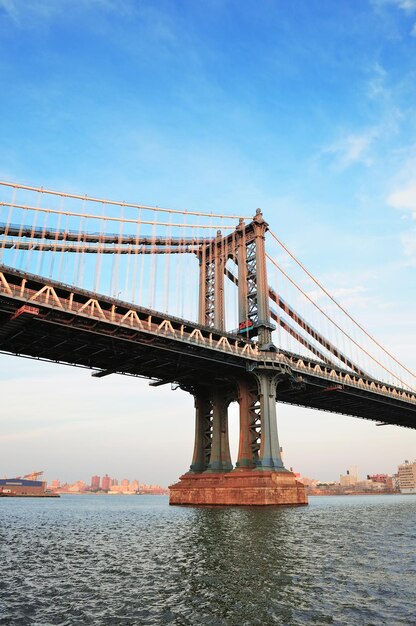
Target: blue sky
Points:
(304, 108)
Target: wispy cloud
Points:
(406, 5)
(377, 82)
(26, 14)
(10, 8)
(404, 199)
(353, 148)
(409, 246)
(350, 297)
(409, 6)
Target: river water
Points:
(133, 560)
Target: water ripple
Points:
(136, 561)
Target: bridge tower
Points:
(259, 477)
(74, 316)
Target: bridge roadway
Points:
(47, 320)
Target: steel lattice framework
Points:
(51, 320)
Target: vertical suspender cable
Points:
(178, 274)
(9, 220)
(57, 231)
(183, 274)
(39, 268)
(32, 232)
(15, 262)
(166, 277)
(152, 264)
(77, 280)
(35, 217)
(127, 271)
(116, 291)
(143, 261)
(63, 255)
(136, 255)
(100, 246)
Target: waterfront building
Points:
(95, 483)
(350, 478)
(105, 483)
(78, 487)
(378, 478)
(407, 477)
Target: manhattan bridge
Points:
(213, 304)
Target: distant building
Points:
(407, 477)
(390, 484)
(395, 482)
(78, 487)
(106, 483)
(125, 483)
(95, 483)
(378, 478)
(350, 478)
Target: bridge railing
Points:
(134, 318)
(344, 378)
(198, 266)
(156, 324)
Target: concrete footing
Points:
(239, 487)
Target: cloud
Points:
(353, 148)
(408, 6)
(10, 8)
(28, 15)
(404, 199)
(409, 246)
(346, 296)
(376, 85)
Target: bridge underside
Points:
(44, 319)
(62, 336)
(54, 322)
(90, 346)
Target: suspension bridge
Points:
(213, 304)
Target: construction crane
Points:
(32, 476)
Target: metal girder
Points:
(96, 341)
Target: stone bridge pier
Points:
(259, 477)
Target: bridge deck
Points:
(46, 320)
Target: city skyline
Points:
(307, 114)
(106, 484)
(353, 477)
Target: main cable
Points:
(337, 326)
(339, 305)
(119, 203)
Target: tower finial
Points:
(259, 216)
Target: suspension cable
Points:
(118, 203)
(113, 219)
(339, 305)
(337, 326)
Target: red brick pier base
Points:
(240, 487)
